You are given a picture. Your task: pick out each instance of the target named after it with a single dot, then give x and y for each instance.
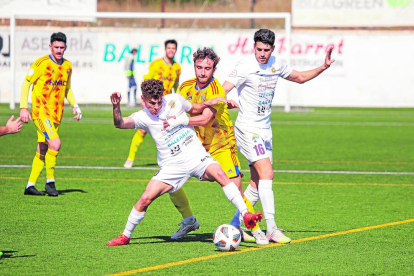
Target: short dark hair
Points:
(58, 37)
(206, 53)
(152, 89)
(133, 49)
(265, 36)
(172, 41)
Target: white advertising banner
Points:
(372, 69)
(352, 13)
(8, 7)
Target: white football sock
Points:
(29, 184)
(251, 194)
(50, 180)
(234, 196)
(134, 219)
(268, 202)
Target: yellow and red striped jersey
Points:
(219, 133)
(50, 83)
(168, 73)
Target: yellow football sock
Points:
(37, 167)
(180, 201)
(136, 142)
(51, 163)
(251, 210)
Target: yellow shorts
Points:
(228, 161)
(46, 130)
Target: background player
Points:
(130, 74)
(180, 154)
(50, 76)
(11, 127)
(255, 78)
(166, 70)
(215, 131)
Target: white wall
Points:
(372, 68)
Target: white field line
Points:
(311, 123)
(156, 169)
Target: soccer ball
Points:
(226, 237)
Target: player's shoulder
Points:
(41, 61)
(216, 87)
(188, 84)
(157, 61)
(176, 66)
(67, 63)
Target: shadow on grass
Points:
(62, 192)
(206, 237)
(12, 255)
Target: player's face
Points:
(153, 105)
(204, 70)
(170, 50)
(58, 49)
(263, 52)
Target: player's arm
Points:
(119, 121)
(197, 108)
(24, 112)
(11, 126)
(228, 86)
(204, 118)
(71, 99)
(302, 77)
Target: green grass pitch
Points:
(367, 160)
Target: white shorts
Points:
(254, 143)
(176, 174)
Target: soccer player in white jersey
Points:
(180, 153)
(255, 78)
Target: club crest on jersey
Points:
(273, 69)
(233, 73)
(255, 137)
(171, 104)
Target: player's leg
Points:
(262, 172)
(189, 222)
(214, 172)
(136, 142)
(54, 143)
(37, 167)
(154, 189)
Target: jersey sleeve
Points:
(139, 120)
(185, 104)
(216, 90)
(239, 74)
(33, 74)
(284, 69)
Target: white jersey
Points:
(176, 145)
(256, 85)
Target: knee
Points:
(55, 145)
(222, 177)
(144, 202)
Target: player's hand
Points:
(232, 104)
(77, 110)
(116, 98)
(14, 126)
(215, 101)
(25, 115)
(328, 58)
(176, 121)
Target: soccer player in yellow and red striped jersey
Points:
(50, 76)
(214, 129)
(166, 70)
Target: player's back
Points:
(219, 132)
(50, 82)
